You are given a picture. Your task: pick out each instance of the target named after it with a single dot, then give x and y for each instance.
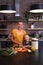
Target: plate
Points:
(21, 49)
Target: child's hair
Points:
(24, 36)
(26, 40)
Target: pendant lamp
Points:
(36, 8)
(7, 8)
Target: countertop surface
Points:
(34, 58)
(41, 39)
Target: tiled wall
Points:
(12, 25)
(25, 5)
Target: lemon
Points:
(33, 49)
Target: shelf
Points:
(35, 29)
(3, 29)
(3, 21)
(4, 33)
(4, 40)
(1, 39)
(41, 39)
(40, 20)
(16, 19)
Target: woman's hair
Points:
(20, 22)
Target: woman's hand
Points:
(20, 44)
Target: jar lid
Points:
(34, 39)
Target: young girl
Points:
(27, 42)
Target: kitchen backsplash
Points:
(12, 25)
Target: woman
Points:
(18, 34)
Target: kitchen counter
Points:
(34, 58)
(41, 39)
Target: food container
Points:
(32, 26)
(35, 43)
